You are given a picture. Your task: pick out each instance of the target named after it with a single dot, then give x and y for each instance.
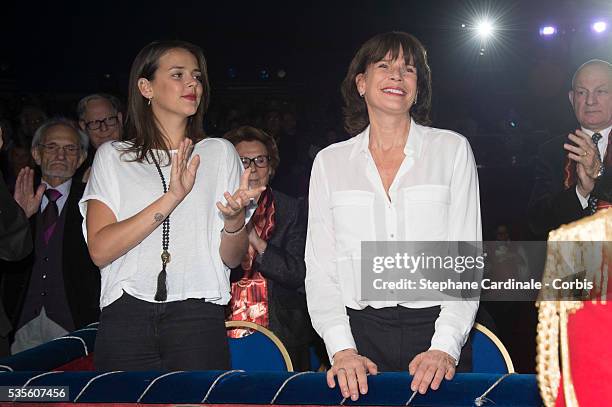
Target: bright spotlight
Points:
(548, 30)
(484, 29)
(599, 26)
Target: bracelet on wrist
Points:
(234, 232)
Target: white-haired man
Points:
(56, 289)
(574, 172)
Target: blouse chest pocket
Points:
(353, 216)
(426, 210)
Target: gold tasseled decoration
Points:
(589, 253)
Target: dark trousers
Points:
(391, 337)
(181, 335)
(300, 357)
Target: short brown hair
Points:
(375, 49)
(249, 133)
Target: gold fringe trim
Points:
(552, 338)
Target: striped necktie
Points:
(592, 200)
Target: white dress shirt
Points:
(434, 197)
(602, 146)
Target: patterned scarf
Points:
(249, 300)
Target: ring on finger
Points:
(584, 154)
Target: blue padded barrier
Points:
(76, 381)
(53, 354)
(16, 378)
(183, 387)
(257, 388)
(385, 389)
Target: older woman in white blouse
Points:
(396, 179)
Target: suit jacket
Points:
(15, 236)
(603, 187)
(551, 205)
(15, 241)
(282, 264)
(81, 276)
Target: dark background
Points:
(78, 47)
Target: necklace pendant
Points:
(165, 257)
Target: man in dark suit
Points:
(572, 178)
(15, 237)
(15, 244)
(56, 289)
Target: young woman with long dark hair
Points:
(154, 225)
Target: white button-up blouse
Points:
(434, 197)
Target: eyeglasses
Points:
(260, 161)
(108, 122)
(53, 148)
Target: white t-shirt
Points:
(126, 187)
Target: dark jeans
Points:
(391, 337)
(300, 357)
(180, 335)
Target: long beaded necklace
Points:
(162, 291)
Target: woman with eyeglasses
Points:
(397, 179)
(268, 286)
(155, 226)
